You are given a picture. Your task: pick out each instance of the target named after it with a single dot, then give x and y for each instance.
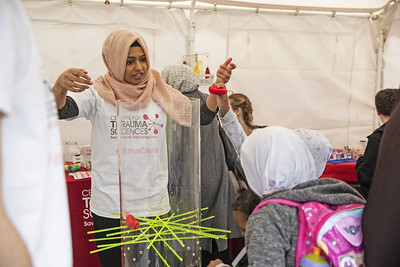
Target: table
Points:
(79, 193)
(345, 171)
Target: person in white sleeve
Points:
(34, 216)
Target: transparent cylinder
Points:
(159, 176)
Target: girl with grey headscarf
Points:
(319, 146)
(217, 190)
(279, 164)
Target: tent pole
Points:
(191, 33)
(379, 71)
(204, 6)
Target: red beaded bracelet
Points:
(215, 90)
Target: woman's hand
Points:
(214, 263)
(75, 80)
(224, 71)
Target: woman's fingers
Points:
(75, 80)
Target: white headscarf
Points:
(275, 158)
(319, 146)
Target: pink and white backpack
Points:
(334, 229)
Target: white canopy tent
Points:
(313, 64)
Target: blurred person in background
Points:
(365, 166)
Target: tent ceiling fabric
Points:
(311, 71)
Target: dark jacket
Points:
(381, 217)
(365, 166)
(217, 190)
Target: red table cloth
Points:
(345, 171)
(81, 222)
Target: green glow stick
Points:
(183, 245)
(196, 232)
(158, 232)
(144, 241)
(105, 230)
(166, 243)
(147, 228)
(159, 255)
(170, 227)
(208, 218)
(139, 218)
(200, 227)
(108, 247)
(199, 233)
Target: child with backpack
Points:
(278, 165)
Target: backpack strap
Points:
(302, 222)
(276, 200)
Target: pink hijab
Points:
(112, 87)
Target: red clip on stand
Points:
(215, 90)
